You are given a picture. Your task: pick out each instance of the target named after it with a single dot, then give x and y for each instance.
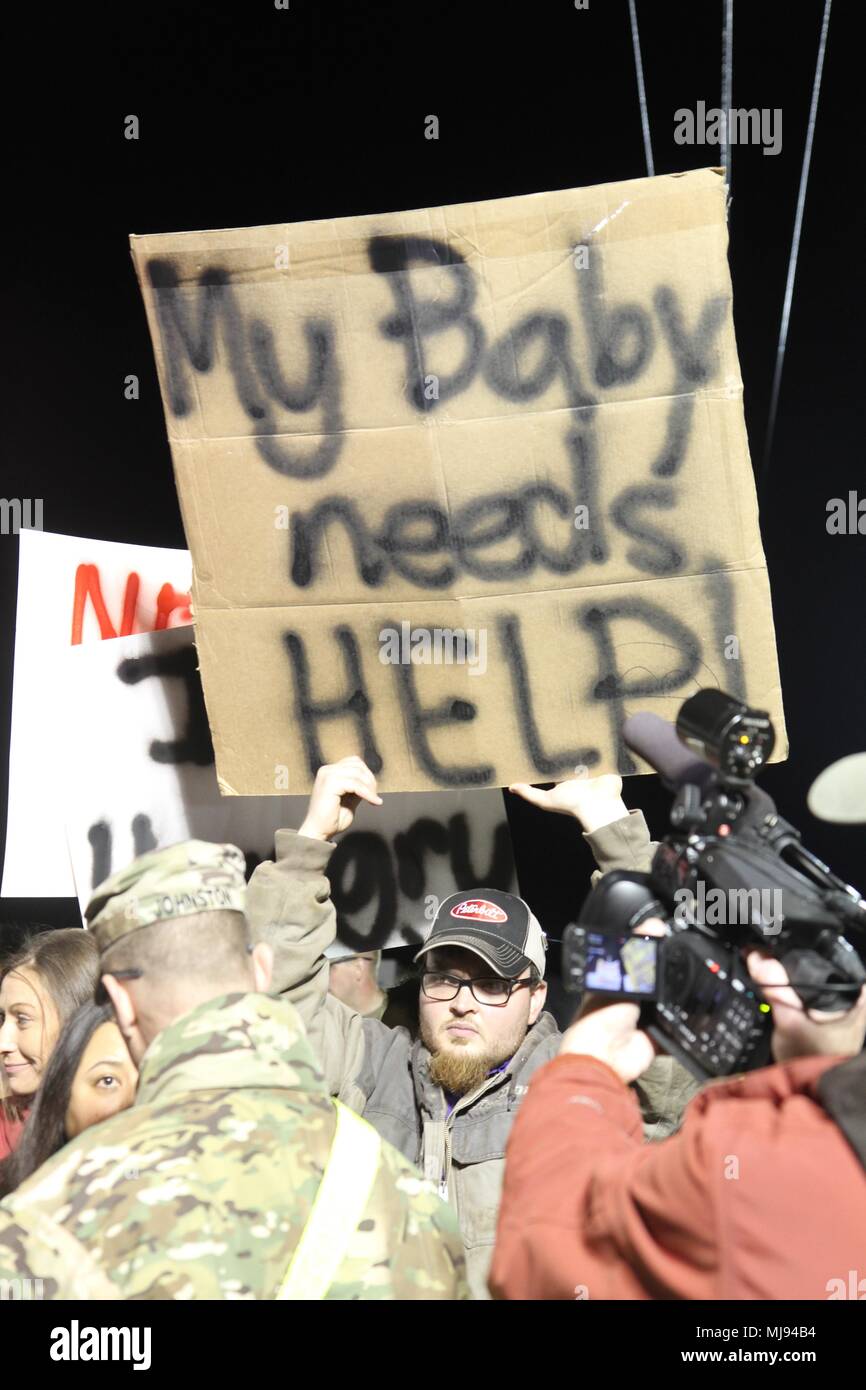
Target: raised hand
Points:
(594, 801)
(337, 790)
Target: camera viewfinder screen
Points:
(620, 964)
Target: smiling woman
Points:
(40, 988)
(89, 1077)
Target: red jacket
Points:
(11, 1124)
(758, 1196)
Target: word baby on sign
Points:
(520, 418)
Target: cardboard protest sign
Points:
(139, 774)
(70, 590)
(463, 486)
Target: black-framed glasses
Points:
(493, 991)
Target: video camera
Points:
(731, 873)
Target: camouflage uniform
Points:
(203, 1188)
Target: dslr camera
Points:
(730, 874)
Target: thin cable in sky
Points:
(644, 119)
(727, 87)
(795, 241)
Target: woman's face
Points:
(29, 1028)
(104, 1082)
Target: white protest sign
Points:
(70, 590)
(139, 774)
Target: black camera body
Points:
(730, 874)
(699, 1002)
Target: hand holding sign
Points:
(337, 790)
(594, 801)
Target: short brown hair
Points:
(204, 946)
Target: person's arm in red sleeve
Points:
(588, 1210)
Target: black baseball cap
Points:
(497, 926)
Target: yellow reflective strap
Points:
(337, 1208)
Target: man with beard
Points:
(482, 989)
(447, 1100)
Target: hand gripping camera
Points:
(730, 874)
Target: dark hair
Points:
(45, 1131)
(13, 936)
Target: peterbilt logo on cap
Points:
(480, 910)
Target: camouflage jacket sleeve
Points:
(666, 1087)
(39, 1259)
(430, 1261)
(409, 1247)
(289, 906)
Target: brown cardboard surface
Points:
(519, 419)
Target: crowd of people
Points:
(200, 1097)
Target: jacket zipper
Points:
(445, 1173)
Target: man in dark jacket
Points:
(447, 1100)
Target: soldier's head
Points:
(482, 985)
(172, 935)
